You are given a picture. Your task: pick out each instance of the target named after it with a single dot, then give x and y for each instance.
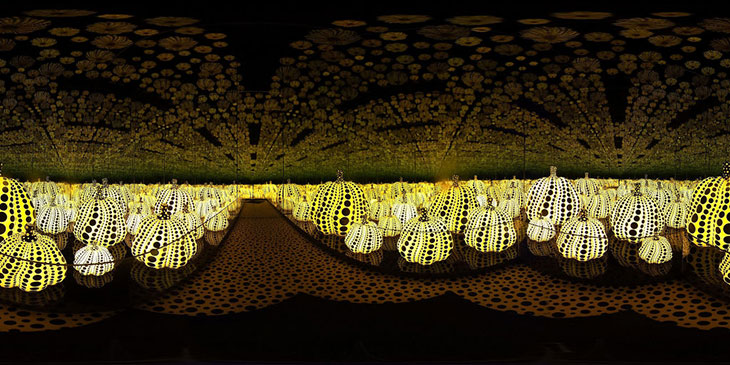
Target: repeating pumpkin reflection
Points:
(128, 283)
(620, 266)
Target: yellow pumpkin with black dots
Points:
(337, 205)
(364, 237)
(174, 198)
(16, 210)
(30, 261)
(452, 205)
(709, 212)
(425, 240)
(488, 229)
(100, 221)
(164, 241)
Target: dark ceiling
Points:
(270, 90)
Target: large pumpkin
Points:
(635, 217)
(164, 241)
(709, 212)
(452, 205)
(16, 210)
(337, 205)
(30, 261)
(100, 221)
(553, 197)
(425, 240)
(489, 230)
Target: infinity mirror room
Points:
(369, 182)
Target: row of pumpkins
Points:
(164, 220)
(425, 215)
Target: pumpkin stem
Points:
(586, 174)
(553, 170)
(174, 184)
(725, 170)
(583, 216)
(455, 180)
(364, 219)
(1, 168)
(339, 175)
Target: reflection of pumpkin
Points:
(93, 282)
(30, 261)
(709, 220)
(337, 205)
(16, 210)
(425, 240)
(584, 269)
(161, 279)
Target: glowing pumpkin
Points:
(16, 210)
(489, 230)
(30, 261)
(425, 240)
(636, 217)
(337, 205)
(364, 237)
(93, 260)
(163, 241)
(582, 238)
(100, 221)
(709, 220)
(553, 197)
(452, 206)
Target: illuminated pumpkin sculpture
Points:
(452, 205)
(16, 210)
(655, 250)
(709, 219)
(30, 261)
(390, 226)
(337, 205)
(582, 238)
(216, 220)
(599, 206)
(587, 186)
(489, 230)
(100, 221)
(52, 219)
(192, 222)
(636, 217)
(287, 196)
(425, 240)
(164, 241)
(364, 237)
(675, 213)
(554, 198)
(174, 198)
(93, 260)
(540, 230)
(404, 210)
(133, 221)
(302, 212)
(478, 186)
